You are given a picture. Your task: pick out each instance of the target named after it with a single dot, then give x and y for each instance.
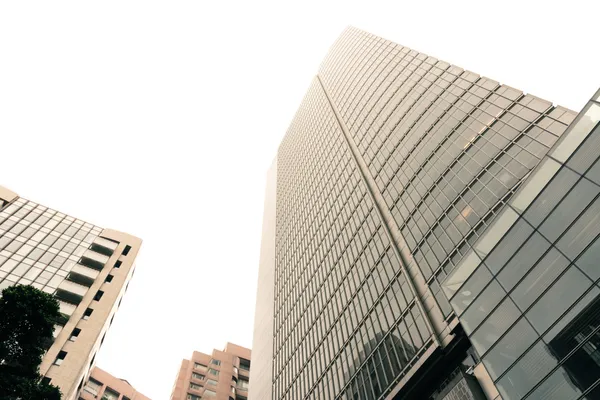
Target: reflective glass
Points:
(460, 274)
(557, 386)
(498, 322)
(582, 232)
(588, 261)
(577, 133)
(525, 374)
(558, 299)
(495, 232)
(509, 348)
(522, 261)
(534, 184)
(507, 246)
(471, 289)
(550, 196)
(539, 278)
(569, 209)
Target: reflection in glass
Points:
(495, 232)
(507, 350)
(534, 185)
(498, 322)
(577, 133)
(558, 299)
(461, 273)
(525, 374)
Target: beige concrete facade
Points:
(102, 385)
(223, 375)
(89, 282)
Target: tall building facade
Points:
(222, 375)
(103, 386)
(86, 267)
(395, 170)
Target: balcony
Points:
(85, 271)
(93, 260)
(71, 292)
(104, 246)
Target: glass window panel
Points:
(555, 301)
(534, 185)
(525, 374)
(511, 347)
(522, 261)
(569, 209)
(481, 308)
(496, 231)
(582, 232)
(540, 277)
(461, 273)
(579, 322)
(495, 326)
(588, 261)
(551, 195)
(508, 245)
(471, 289)
(557, 386)
(577, 133)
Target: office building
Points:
(103, 386)
(222, 375)
(386, 269)
(87, 268)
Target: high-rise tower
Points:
(387, 182)
(87, 268)
(222, 375)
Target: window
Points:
(110, 394)
(213, 371)
(215, 362)
(60, 357)
(92, 386)
(242, 384)
(98, 295)
(200, 367)
(118, 264)
(197, 376)
(195, 386)
(126, 250)
(209, 393)
(211, 382)
(109, 278)
(244, 364)
(86, 315)
(74, 334)
(193, 397)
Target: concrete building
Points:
(223, 375)
(88, 269)
(410, 250)
(103, 386)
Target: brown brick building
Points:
(102, 385)
(223, 375)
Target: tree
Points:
(27, 318)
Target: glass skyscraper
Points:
(410, 248)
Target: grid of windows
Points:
(40, 246)
(528, 294)
(343, 307)
(444, 145)
(435, 150)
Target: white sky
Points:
(191, 99)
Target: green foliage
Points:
(26, 327)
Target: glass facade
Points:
(528, 294)
(40, 246)
(392, 186)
